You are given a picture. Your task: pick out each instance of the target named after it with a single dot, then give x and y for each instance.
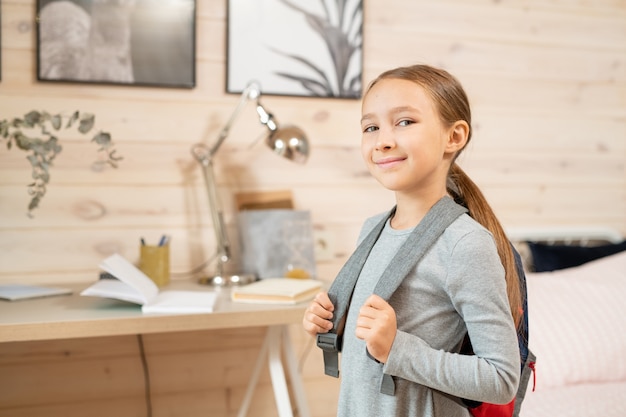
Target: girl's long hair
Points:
(453, 105)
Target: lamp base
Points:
(227, 280)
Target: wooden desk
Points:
(73, 316)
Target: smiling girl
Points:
(415, 122)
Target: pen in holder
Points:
(154, 261)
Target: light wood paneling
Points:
(547, 81)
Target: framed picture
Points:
(132, 42)
(0, 40)
(296, 47)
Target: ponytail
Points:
(467, 193)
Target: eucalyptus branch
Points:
(36, 133)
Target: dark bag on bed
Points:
(440, 216)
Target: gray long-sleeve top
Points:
(457, 287)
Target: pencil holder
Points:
(154, 261)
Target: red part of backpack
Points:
(493, 410)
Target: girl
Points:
(415, 122)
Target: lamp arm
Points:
(252, 91)
(221, 237)
(204, 155)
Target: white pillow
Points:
(577, 323)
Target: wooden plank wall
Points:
(547, 80)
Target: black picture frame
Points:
(296, 47)
(0, 40)
(125, 42)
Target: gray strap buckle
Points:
(330, 343)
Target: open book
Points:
(134, 286)
(277, 291)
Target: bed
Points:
(576, 283)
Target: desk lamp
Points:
(287, 141)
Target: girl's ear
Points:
(457, 136)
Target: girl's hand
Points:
(377, 326)
(318, 316)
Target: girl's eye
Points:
(370, 129)
(405, 122)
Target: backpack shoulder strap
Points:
(430, 228)
(340, 293)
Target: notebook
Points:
(13, 292)
(277, 291)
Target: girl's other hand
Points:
(377, 326)
(318, 316)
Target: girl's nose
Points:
(385, 139)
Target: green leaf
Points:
(34, 203)
(86, 123)
(56, 121)
(25, 143)
(45, 117)
(74, 117)
(33, 118)
(34, 161)
(57, 148)
(103, 139)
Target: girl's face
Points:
(404, 144)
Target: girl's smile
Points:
(389, 162)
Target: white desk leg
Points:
(277, 373)
(243, 411)
(275, 338)
(296, 381)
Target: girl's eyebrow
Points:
(395, 110)
(367, 116)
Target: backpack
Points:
(439, 217)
